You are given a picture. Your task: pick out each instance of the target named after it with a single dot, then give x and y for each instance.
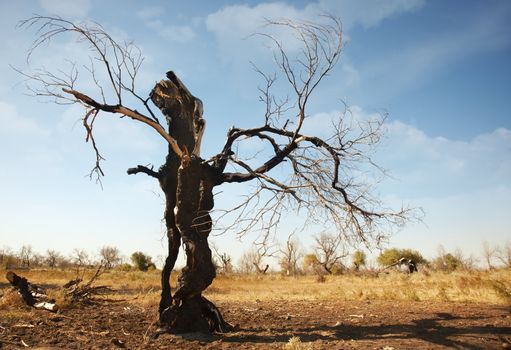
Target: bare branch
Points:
(118, 62)
(327, 178)
(129, 113)
(145, 170)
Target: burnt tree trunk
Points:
(187, 183)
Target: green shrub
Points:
(391, 256)
(141, 261)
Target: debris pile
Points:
(74, 291)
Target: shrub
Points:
(391, 256)
(358, 259)
(295, 343)
(141, 261)
(448, 262)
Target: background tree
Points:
(245, 262)
(254, 260)
(289, 256)
(391, 256)
(80, 258)
(330, 251)
(311, 264)
(504, 254)
(447, 262)
(142, 261)
(489, 253)
(25, 256)
(224, 260)
(53, 258)
(453, 261)
(316, 174)
(358, 259)
(259, 256)
(110, 256)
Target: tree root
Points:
(196, 314)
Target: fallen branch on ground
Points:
(74, 291)
(32, 294)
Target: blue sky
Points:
(439, 68)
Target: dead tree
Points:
(53, 258)
(489, 253)
(329, 250)
(263, 250)
(504, 255)
(224, 260)
(321, 172)
(290, 254)
(80, 258)
(25, 256)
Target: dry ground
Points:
(425, 311)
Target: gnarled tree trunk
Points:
(187, 183)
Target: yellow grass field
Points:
(492, 287)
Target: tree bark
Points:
(187, 183)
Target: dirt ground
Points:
(264, 325)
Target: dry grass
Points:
(295, 343)
(492, 287)
(481, 287)
(11, 300)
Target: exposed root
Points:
(194, 315)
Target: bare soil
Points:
(269, 325)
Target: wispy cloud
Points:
(423, 165)
(151, 12)
(232, 24)
(437, 166)
(64, 8)
(14, 124)
(175, 33)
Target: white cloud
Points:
(234, 23)
(65, 8)
(450, 165)
(14, 124)
(150, 12)
(423, 165)
(367, 13)
(244, 20)
(178, 34)
(175, 33)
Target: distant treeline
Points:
(328, 255)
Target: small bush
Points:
(295, 343)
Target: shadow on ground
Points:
(429, 330)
